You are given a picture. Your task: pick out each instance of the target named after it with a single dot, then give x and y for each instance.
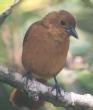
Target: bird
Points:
(45, 46)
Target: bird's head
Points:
(62, 20)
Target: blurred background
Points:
(77, 75)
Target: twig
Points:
(35, 88)
(7, 11)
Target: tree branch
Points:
(36, 89)
(8, 11)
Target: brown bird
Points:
(46, 45)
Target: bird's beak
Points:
(71, 31)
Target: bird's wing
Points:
(30, 28)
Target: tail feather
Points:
(20, 99)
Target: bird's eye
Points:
(63, 23)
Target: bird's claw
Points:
(27, 77)
(28, 80)
(58, 90)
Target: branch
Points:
(36, 89)
(8, 11)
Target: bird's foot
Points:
(29, 84)
(57, 88)
(28, 77)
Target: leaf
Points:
(4, 4)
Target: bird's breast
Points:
(45, 56)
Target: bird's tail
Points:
(20, 99)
